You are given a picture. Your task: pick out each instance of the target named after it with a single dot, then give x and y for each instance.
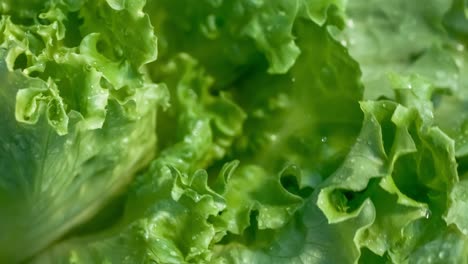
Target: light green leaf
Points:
(399, 36)
(67, 144)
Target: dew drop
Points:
(427, 213)
(273, 137)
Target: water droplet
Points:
(442, 255)
(427, 213)
(350, 23)
(324, 139)
(293, 79)
(460, 47)
(196, 198)
(273, 137)
(410, 86)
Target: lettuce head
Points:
(233, 131)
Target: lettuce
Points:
(305, 131)
(77, 123)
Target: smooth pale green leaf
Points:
(399, 36)
(456, 128)
(448, 247)
(455, 214)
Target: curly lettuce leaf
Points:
(206, 124)
(307, 238)
(68, 142)
(263, 154)
(409, 171)
(308, 117)
(229, 37)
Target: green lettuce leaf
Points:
(273, 147)
(308, 117)
(405, 165)
(448, 247)
(229, 37)
(243, 212)
(68, 143)
(401, 37)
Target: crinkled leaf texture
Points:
(273, 149)
(77, 123)
(231, 37)
(417, 147)
(177, 213)
(404, 169)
